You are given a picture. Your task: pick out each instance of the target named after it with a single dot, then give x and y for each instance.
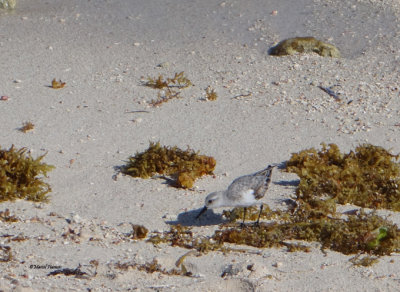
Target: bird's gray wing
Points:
(258, 182)
(238, 187)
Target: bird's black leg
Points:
(244, 216)
(259, 214)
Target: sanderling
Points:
(245, 191)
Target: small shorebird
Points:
(245, 191)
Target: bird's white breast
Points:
(247, 199)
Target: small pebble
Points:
(4, 97)
(277, 264)
(163, 65)
(76, 219)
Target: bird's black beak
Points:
(201, 212)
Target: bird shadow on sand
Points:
(189, 218)
(120, 170)
(288, 183)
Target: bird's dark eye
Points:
(209, 201)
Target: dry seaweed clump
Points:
(211, 94)
(21, 176)
(179, 81)
(358, 233)
(251, 213)
(168, 87)
(6, 216)
(138, 232)
(57, 84)
(365, 261)
(8, 4)
(304, 45)
(183, 237)
(368, 177)
(26, 127)
(5, 253)
(183, 165)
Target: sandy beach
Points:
(267, 108)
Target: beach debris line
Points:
(169, 88)
(57, 84)
(183, 236)
(310, 222)
(368, 177)
(21, 176)
(352, 235)
(184, 166)
(151, 267)
(304, 45)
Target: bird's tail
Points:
(263, 186)
(267, 173)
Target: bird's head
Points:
(213, 200)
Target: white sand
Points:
(103, 50)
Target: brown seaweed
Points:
(26, 127)
(21, 176)
(184, 165)
(57, 84)
(304, 45)
(169, 88)
(368, 177)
